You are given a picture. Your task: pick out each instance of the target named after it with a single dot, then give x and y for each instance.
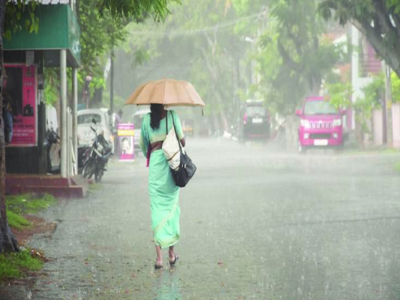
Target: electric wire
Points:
(213, 28)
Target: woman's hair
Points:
(155, 115)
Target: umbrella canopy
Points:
(168, 92)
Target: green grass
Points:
(19, 205)
(15, 265)
(95, 187)
(28, 204)
(17, 221)
(397, 167)
(390, 151)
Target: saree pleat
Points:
(164, 201)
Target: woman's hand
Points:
(183, 142)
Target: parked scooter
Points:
(52, 138)
(96, 157)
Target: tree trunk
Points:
(7, 240)
(391, 56)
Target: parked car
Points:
(137, 119)
(321, 124)
(255, 121)
(86, 136)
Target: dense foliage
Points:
(379, 20)
(232, 51)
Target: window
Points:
(319, 108)
(87, 118)
(255, 111)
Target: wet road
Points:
(255, 224)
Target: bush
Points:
(15, 265)
(25, 204)
(17, 221)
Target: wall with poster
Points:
(20, 91)
(126, 132)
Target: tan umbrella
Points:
(169, 92)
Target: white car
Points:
(85, 119)
(137, 118)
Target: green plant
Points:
(397, 167)
(96, 83)
(51, 86)
(17, 221)
(375, 91)
(15, 10)
(364, 106)
(25, 204)
(339, 94)
(395, 87)
(15, 265)
(95, 187)
(294, 55)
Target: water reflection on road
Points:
(166, 285)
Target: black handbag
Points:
(186, 169)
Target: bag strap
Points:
(176, 134)
(166, 125)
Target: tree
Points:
(205, 42)
(103, 25)
(10, 13)
(379, 20)
(98, 34)
(197, 43)
(136, 9)
(293, 57)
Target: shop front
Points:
(26, 55)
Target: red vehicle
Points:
(321, 124)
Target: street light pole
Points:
(112, 82)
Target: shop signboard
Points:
(126, 132)
(20, 93)
(59, 29)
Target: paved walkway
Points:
(255, 225)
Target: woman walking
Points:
(164, 194)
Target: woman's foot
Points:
(173, 258)
(158, 265)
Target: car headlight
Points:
(337, 123)
(305, 123)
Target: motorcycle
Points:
(52, 138)
(96, 157)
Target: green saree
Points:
(164, 194)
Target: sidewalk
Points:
(254, 225)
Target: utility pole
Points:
(388, 105)
(112, 82)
